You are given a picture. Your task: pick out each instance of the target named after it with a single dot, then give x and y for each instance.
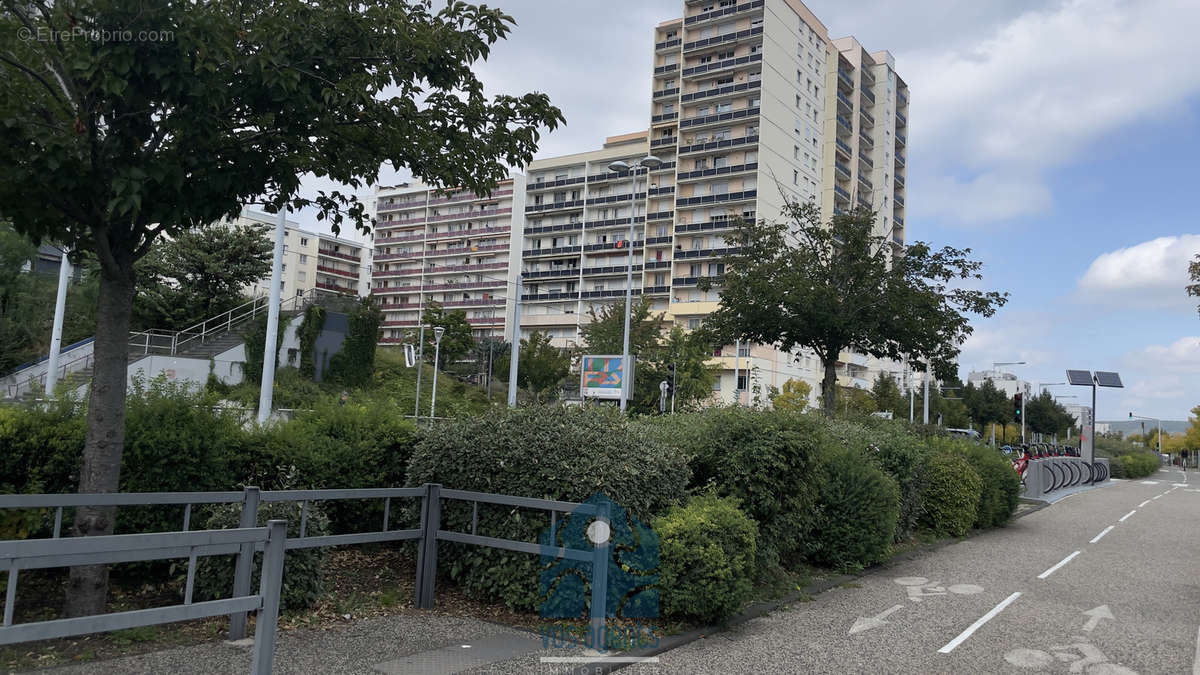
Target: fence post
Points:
(600, 558)
(244, 563)
(431, 520)
(270, 589)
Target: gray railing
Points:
(427, 534)
(48, 553)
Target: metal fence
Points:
(427, 534)
(48, 553)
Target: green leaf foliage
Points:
(951, 497)
(547, 452)
(891, 447)
(354, 364)
(1000, 486)
(706, 559)
(542, 365)
(855, 512)
(1134, 465)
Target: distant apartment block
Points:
(449, 247)
(313, 260)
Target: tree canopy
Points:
(542, 365)
(838, 285)
(1193, 289)
(793, 396)
(887, 394)
(457, 340)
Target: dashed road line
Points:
(1158, 496)
(982, 620)
(1143, 503)
(1062, 562)
(1102, 533)
(1127, 515)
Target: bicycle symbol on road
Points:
(1083, 656)
(919, 588)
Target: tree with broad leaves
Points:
(542, 365)
(793, 397)
(887, 394)
(107, 144)
(1193, 289)
(457, 338)
(1044, 415)
(839, 286)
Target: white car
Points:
(969, 434)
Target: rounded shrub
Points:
(706, 559)
(892, 447)
(857, 506)
(763, 458)
(547, 452)
(1000, 489)
(951, 497)
(1135, 464)
(302, 568)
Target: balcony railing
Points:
(862, 157)
(842, 169)
(720, 171)
(901, 120)
(845, 100)
(478, 233)
(844, 123)
(901, 139)
(716, 199)
(692, 281)
(612, 245)
(398, 206)
(664, 117)
(845, 78)
(844, 147)
(715, 145)
(666, 92)
(722, 12)
(563, 227)
(899, 200)
(666, 44)
(899, 180)
(548, 184)
(901, 97)
(336, 288)
(702, 120)
(470, 197)
(488, 213)
(870, 96)
(862, 178)
(716, 224)
(558, 250)
(722, 39)
(867, 116)
(666, 68)
(334, 270)
(549, 206)
(666, 140)
(722, 65)
(338, 254)
(721, 91)
(899, 220)
(841, 192)
(865, 138)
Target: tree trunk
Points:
(829, 387)
(88, 587)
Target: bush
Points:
(763, 458)
(857, 507)
(1001, 486)
(302, 568)
(706, 559)
(548, 452)
(900, 454)
(951, 497)
(1134, 465)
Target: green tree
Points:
(542, 365)
(198, 274)
(354, 364)
(604, 334)
(887, 394)
(857, 401)
(1044, 415)
(107, 144)
(457, 340)
(689, 353)
(1193, 289)
(794, 396)
(838, 285)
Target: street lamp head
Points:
(437, 333)
(618, 166)
(651, 162)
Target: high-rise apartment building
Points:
(312, 260)
(449, 247)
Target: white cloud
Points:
(1150, 274)
(986, 198)
(1044, 87)
(1162, 380)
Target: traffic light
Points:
(1017, 406)
(670, 378)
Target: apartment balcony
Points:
(469, 215)
(470, 197)
(657, 264)
(655, 241)
(706, 120)
(845, 101)
(338, 254)
(610, 270)
(557, 250)
(656, 290)
(462, 285)
(866, 139)
(862, 158)
(842, 170)
(664, 117)
(868, 117)
(471, 232)
(841, 192)
(901, 120)
(664, 141)
(661, 191)
(721, 92)
(692, 281)
(667, 44)
(563, 227)
(844, 148)
(691, 254)
(383, 207)
(658, 215)
(466, 268)
(550, 184)
(463, 250)
(717, 145)
(899, 180)
(899, 220)
(705, 17)
(713, 225)
(560, 273)
(576, 295)
(612, 246)
(401, 239)
(844, 124)
(474, 302)
(862, 178)
(726, 64)
(336, 288)
(719, 171)
(898, 240)
(901, 97)
(623, 175)
(864, 200)
(867, 93)
(613, 199)
(342, 273)
(845, 80)
(663, 93)
(727, 197)
(901, 140)
(666, 68)
(554, 206)
(899, 199)
(899, 159)
(723, 39)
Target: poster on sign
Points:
(603, 376)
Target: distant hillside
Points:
(1135, 426)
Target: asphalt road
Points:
(1127, 600)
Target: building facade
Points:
(312, 260)
(449, 247)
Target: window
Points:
(755, 102)
(798, 101)
(693, 323)
(303, 259)
(741, 383)
(721, 107)
(716, 269)
(304, 241)
(720, 187)
(721, 162)
(795, 177)
(697, 243)
(796, 152)
(744, 350)
(301, 276)
(695, 270)
(701, 164)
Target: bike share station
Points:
(1053, 472)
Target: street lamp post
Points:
(649, 163)
(438, 331)
(1155, 419)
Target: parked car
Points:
(969, 434)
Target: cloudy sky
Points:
(1057, 139)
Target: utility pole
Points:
(925, 416)
(60, 307)
(737, 354)
(516, 347)
(267, 387)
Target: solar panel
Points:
(1107, 379)
(1080, 377)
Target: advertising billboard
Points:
(603, 376)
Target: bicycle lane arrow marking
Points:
(1094, 615)
(861, 624)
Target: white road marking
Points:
(867, 623)
(1149, 482)
(1178, 485)
(1102, 533)
(1127, 515)
(1143, 503)
(1158, 496)
(1094, 615)
(1062, 562)
(982, 620)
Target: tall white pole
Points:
(60, 307)
(420, 358)
(737, 354)
(437, 349)
(515, 348)
(925, 415)
(266, 390)
(625, 371)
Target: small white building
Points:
(1008, 383)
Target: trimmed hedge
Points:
(1000, 490)
(548, 452)
(763, 458)
(856, 511)
(894, 449)
(951, 497)
(1134, 465)
(706, 559)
